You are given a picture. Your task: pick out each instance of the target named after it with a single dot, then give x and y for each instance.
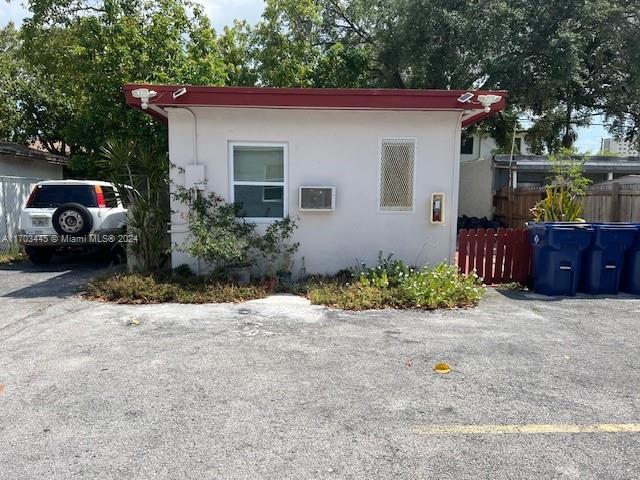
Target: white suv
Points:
(70, 213)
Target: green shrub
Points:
(391, 284)
(351, 296)
(221, 237)
(178, 288)
(216, 233)
(389, 272)
(441, 287)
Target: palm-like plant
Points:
(558, 206)
(563, 202)
(142, 176)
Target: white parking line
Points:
(526, 429)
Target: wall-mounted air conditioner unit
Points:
(317, 199)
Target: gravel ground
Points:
(277, 388)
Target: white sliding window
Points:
(258, 180)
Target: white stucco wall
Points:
(25, 167)
(485, 147)
(333, 148)
(476, 188)
(18, 176)
(475, 197)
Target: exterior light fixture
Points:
(144, 94)
(488, 100)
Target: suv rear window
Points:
(46, 196)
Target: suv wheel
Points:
(72, 219)
(39, 255)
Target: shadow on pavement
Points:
(61, 263)
(526, 295)
(64, 276)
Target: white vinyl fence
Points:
(14, 192)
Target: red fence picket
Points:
(509, 247)
(498, 256)
(522, 257)
(472, 251)
(488, 256)
(463, 244)
(500, 244)
(480, 243)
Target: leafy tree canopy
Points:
(562, 62)
(72, 58)
(61, 74)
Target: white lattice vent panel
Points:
(397, 165)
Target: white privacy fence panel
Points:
(14, 192)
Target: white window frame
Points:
(269, 200)
(284, 184)
(413, 186)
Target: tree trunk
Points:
(567, 139)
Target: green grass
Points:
(158, 288)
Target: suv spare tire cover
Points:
(72, 219)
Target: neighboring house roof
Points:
(626, 180)
(16, 150)
(595, 163)
(315, 98)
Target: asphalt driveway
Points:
(277, 388)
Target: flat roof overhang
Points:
(594, 164)
(315, 98)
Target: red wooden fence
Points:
(498, 256)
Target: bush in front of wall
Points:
(441, 287)
(389, 272)
(175, 287)
(392, 284)
(352, 296)
(276, 248)
(219, 236)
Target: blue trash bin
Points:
(631, 270)
(603, 262)
(557, 255)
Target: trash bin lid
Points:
(615, 235)
(557, 235)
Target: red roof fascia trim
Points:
(498, 107)
(330, 98)
(154, 114)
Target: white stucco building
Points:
(477, 173)
(21, 168)
(361, 170)
(19, 161)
